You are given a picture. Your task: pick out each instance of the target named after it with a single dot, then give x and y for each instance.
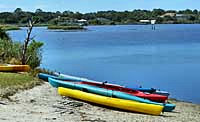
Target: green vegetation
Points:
(9, 27)
(35, 54)
(11, 52)
(10, 83)
(75, 27)
(20, 17)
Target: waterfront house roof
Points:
(148, 21)
(145, 21)
(169, 14)
(82, 20)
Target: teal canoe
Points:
(105, 92)
(57, 76)
(45, 77)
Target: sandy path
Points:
(42, 104)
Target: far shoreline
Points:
(85, 27)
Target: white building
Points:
(145, 21)
(148, 21)
(82, 20)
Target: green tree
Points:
(195, 11)
(18, 10)
(38, 11)
(30, 54)
(158, 12)
(188, 11)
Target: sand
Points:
(43, 104)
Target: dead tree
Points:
(25, 58)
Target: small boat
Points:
(45, 77)
(106, 92)
(71, 78)
(15, 68)
(112, 102)
(153, 97)
(148, 90)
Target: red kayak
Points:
(153, 97)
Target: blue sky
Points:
(97, 5)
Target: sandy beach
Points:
(43, 104)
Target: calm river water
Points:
(167, 58)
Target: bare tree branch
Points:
(26, 41)
(28, 58)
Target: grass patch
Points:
(10, 83)
(35, 25)
(72, 27)
(9, 27)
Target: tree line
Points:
(101, 17)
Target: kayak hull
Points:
(73, 78)
(149, 90)
(106, 92)
(15, 68)
(45, 77)
(153, 97)
(112, 102)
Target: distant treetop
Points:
(112, 17)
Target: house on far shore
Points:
(103, 20)
(144, 21)
(182, 17)
(168, 14)
(177, 16)
(82, 22)
(69, 21)
(147, 21)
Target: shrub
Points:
(34, 53)
(10, 52)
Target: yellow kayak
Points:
(15, 68)
(112, 102)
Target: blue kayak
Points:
(45, 77)
(105, 92)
